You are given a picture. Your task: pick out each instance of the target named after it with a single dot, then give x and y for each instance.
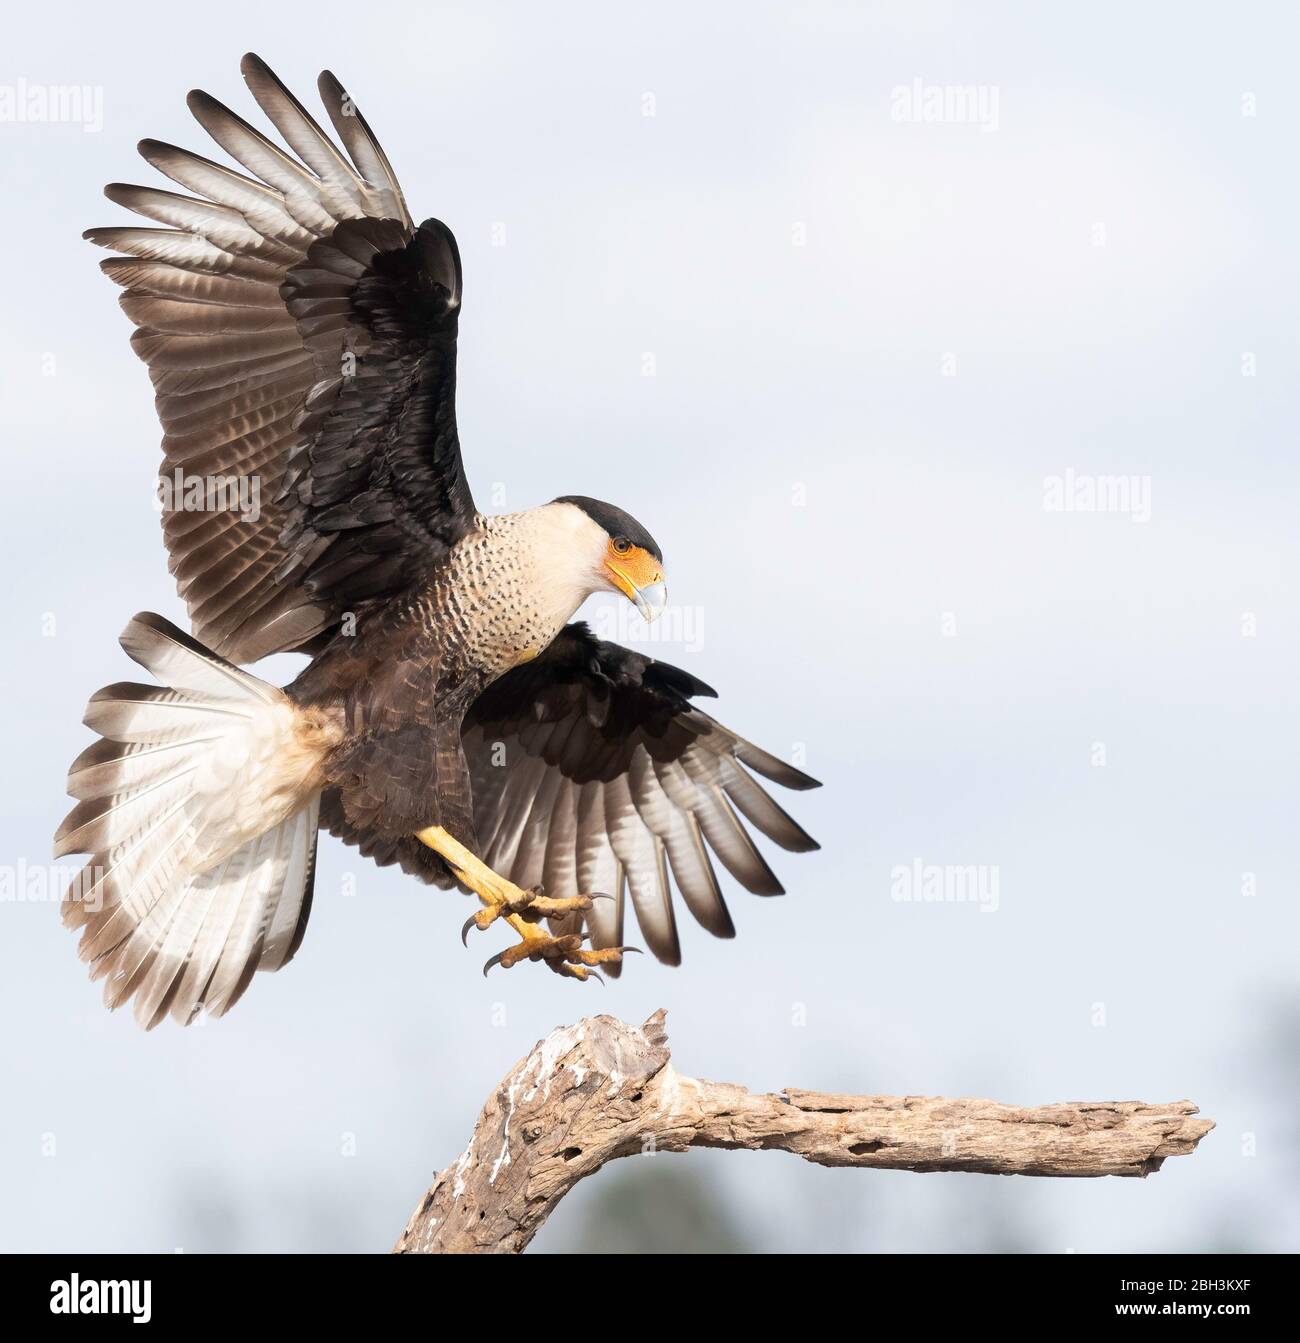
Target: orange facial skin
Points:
(631, 568)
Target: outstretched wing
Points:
(593, 772)
(301, 338)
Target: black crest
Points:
(614, 521)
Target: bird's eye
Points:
(622, 544)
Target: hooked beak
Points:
(639, 577)
(651, 600)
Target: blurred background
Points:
(852, 305)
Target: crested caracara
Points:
(300, 332)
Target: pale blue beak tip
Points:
(651, 600)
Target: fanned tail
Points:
(198, 806)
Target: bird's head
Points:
(620, 554)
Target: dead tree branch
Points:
(603, 1089)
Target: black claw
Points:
(638, 950)
(464, 932)
(600, 897)
(596, 975)
(496, 960)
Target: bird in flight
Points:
(300, 333)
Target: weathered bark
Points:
(603, 1089)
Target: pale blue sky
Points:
(859, 538)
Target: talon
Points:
(524, 911)
(482, 920)
(603, 956)
(551, 907)
(579, 972)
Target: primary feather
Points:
(245, 304)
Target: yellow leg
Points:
(521, 909)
